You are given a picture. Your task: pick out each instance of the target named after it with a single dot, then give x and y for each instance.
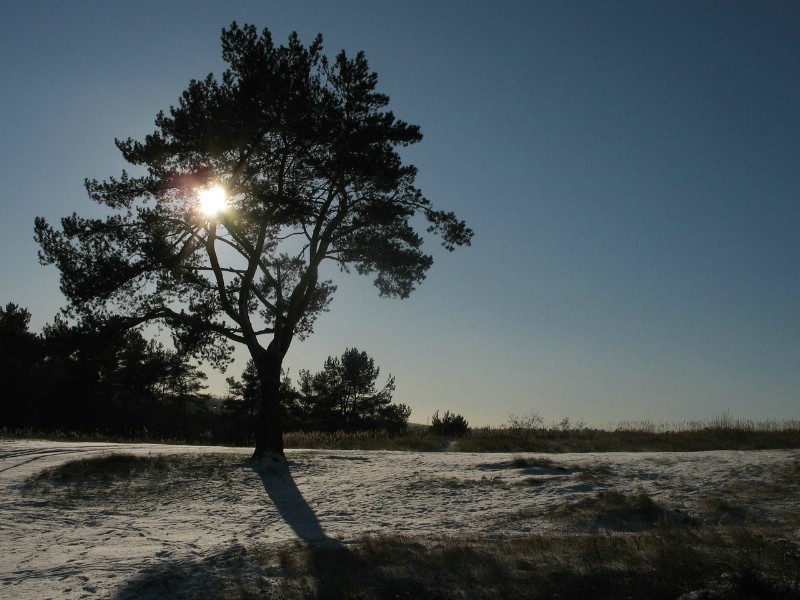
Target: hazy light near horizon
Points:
(212, 200)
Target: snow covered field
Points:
(55, 549)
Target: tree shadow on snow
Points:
(242, 569)
(285, 496)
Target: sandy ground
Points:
(52, 550)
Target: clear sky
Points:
(631, 171)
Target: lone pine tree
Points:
(344, 395)
(304, 151)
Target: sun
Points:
(212, 200)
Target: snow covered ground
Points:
(50, 549)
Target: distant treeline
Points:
(116, 383)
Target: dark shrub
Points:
(449, 424)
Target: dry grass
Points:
(135, 479)
(616, 511)
(624, 440)
(366, 440)
(721, 510)
(791, 475)
(660, 564)
(594, 473)
(722, 433)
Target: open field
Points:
(98, 520)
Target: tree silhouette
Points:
(344, 396)
(449, 424)
(20, 352)
(306, 152)
(244, 396)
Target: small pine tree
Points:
(345, 396)
(449, 424)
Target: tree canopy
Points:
(306, 153)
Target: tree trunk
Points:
(269, 429)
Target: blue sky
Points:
(631, 171)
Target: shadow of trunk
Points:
(276, 477)
(330, 562)
(326, 569)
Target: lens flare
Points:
(212, 200)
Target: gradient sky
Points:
(631, 171)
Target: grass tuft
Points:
(135, 478)
(594, 473)
(104, 467)
(615, 511)
(522, 462)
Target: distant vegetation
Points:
(115, 384)
(343, 396)
(717, 434)
(75, 383)
(743, 436)
(627, 437)
(449, 424)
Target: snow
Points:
(50, 550)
